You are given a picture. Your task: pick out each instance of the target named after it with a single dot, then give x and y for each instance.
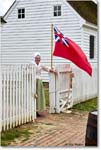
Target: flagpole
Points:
(52, 61)
(51, 45)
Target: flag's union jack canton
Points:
(59, 37)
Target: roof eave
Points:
(3, 20)
(90, 25)
(82, 20)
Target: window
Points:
(21, 13)
(92, 38)
(57, 10)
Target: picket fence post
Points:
(18, 88)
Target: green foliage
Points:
(86, 106)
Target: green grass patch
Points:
(8, 136)
(86, 106)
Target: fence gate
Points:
(60, 90)
(18, 88)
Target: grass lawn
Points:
(8, 136)
(87, 106)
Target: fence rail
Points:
(18, 88)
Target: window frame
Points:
(56, 11)
(21, 13)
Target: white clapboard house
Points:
(27, 29)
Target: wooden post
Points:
(51, 45)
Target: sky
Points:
(5, 4)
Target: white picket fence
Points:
(84, 87)
(18, 88)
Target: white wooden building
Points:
(28, 29)
(2, 21)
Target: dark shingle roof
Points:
(86, 9)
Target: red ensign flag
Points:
(68, 49)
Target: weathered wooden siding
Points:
(22, 37)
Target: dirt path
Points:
(55, 130)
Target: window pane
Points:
(19, 16)
(23, 11)
(23, 15)
(19, 11)
(59, 8)
(55, 8)
(59, 13)
(91, 46)
(55, 13)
